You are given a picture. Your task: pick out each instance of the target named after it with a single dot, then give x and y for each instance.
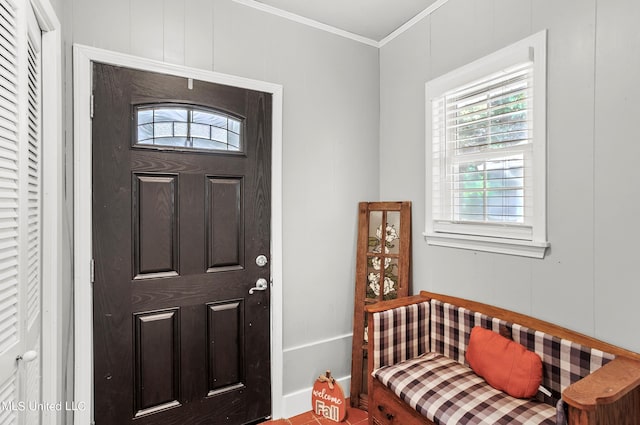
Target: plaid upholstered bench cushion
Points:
(449, 393)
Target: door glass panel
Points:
(170, 115)
(200, 131)
(219, 134)
(234, 141)
(234, 126)
(163, 129)
(145, 116)
(182, 127)
(145, 133)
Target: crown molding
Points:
(306, 21)
(411, 22)
(337, 31)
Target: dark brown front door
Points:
(181, 211)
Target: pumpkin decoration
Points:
(327, 398)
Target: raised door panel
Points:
(155, 225)
(225, 250)
(225, 329)
(157, 361)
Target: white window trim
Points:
(532, 48)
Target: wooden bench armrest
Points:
(398, 302)
(604, 386)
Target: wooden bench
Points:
(597, 382)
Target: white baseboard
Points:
(300, 401)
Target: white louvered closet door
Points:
(31, 207)
(20, 214)
(11, 333)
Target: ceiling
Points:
(372, 19)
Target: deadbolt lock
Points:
(261, 260)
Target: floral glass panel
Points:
(385, 240)
(182, 127)
(375, 221)
(382, 284)
(392, 232)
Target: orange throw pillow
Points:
(504, 364)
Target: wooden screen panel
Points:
(225, 246)
(225, 332)
(155, 225)
(157, 361)
(382, 273)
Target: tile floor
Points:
(354, 417)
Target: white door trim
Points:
(52, 209)
(83, 57)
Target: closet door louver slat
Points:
(9, 284)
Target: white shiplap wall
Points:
(174, 31)
(588, 280)
(616, 282)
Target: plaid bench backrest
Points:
(564, 362)
(400, 334)
(451, 327)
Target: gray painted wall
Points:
(349, 107)
(330, 143)
(588, 280)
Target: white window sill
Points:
(486, 244)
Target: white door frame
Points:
(83, 57)
(52, 209)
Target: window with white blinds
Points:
(486, 145)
